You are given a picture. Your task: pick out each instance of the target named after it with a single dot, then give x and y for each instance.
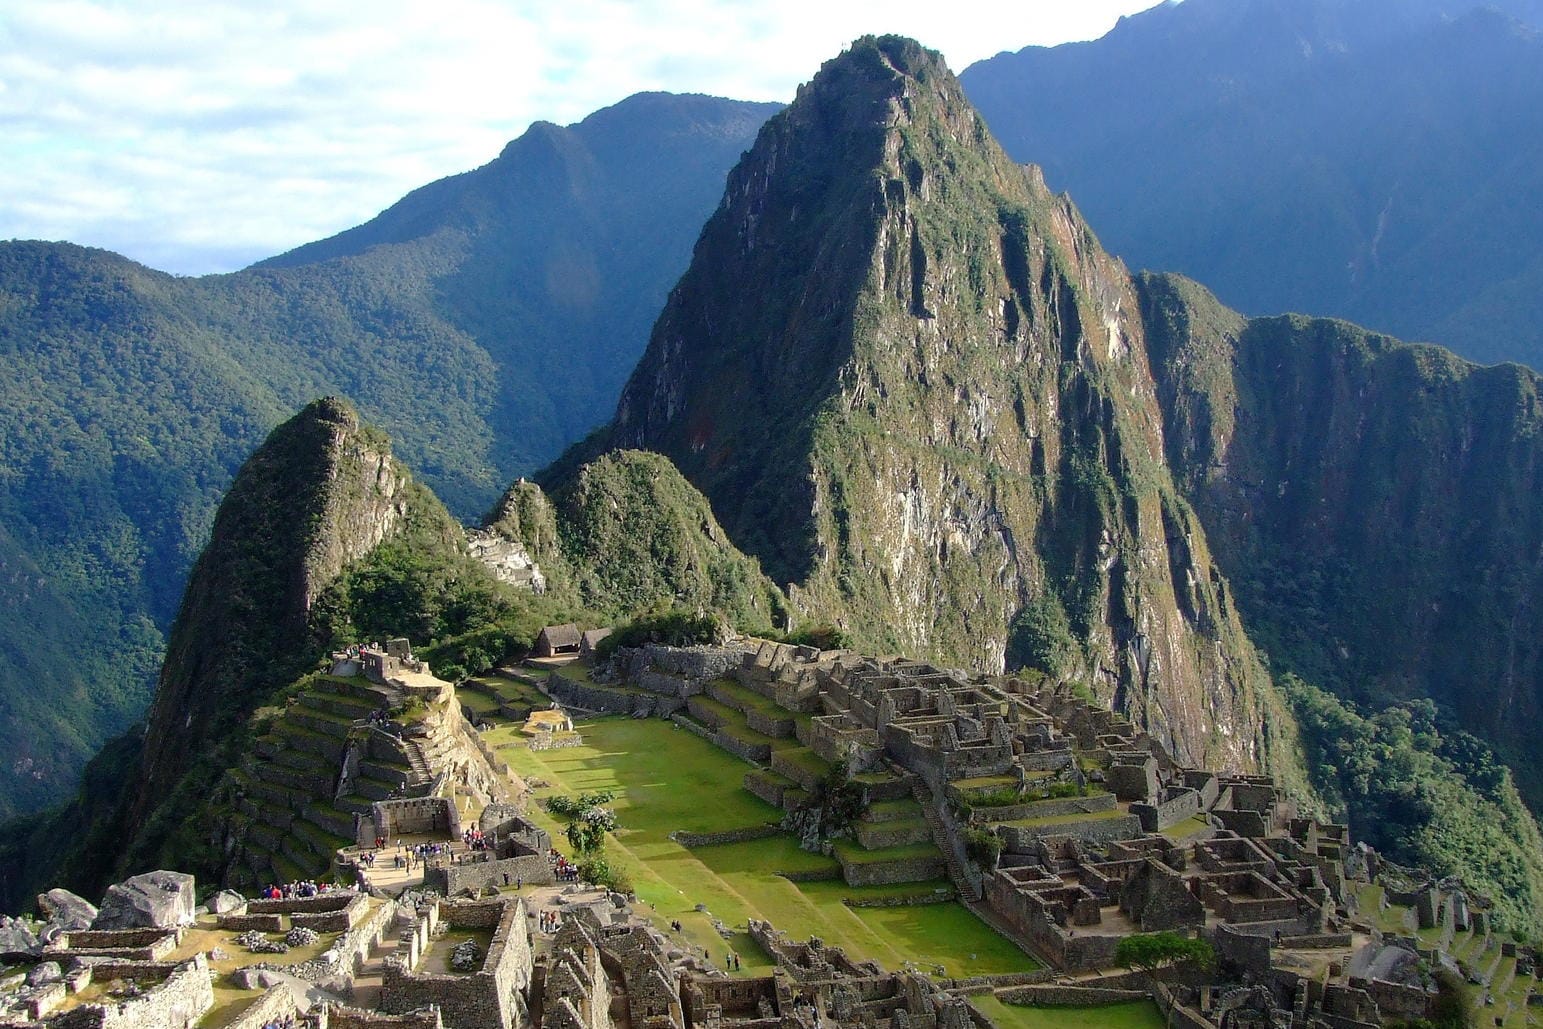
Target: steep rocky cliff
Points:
(322, 491)
(1376, 504)
(910, 381)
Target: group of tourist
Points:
(474, 839)
(550, 921)
(565, 870)
(292, 890)
(287, 1022)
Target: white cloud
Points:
(198, 136)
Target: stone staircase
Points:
(421, 773)
(300, 788)
(943, 840)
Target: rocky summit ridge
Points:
(911, 382)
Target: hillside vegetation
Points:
(485, 321)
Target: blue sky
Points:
(201, 135)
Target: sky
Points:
(200, 135)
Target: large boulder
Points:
(64, 910)
(226, 902)
(17, 940)
(154, 900)
(45, 973)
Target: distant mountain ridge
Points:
(1364, 159)
(486, 321)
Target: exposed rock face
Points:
(322, 491)
(64, 910)
(1376, 504)
(910, 381)
(154, 900)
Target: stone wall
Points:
(177, 1002)
(1041, 808)
(334, 1016)
(745, 750)
(486, 999)
(1022, 839)
(694, 664)
(1069, 996)
(884, 873)
(708, 839)
(354, 947)
(571, 693)
(765, 787)
(241, 923)
(332, 912)
(1248, 824)
(415, 816)
(531, 869)
(272, 1007)
(1177, 806)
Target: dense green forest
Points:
(485, 321)
(1425, 794)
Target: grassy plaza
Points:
(668, 780)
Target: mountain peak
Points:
(911, 383)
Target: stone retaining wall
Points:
(903, 901)
(1022, 839)
(878, 835)
(764, 787)
(1069, 996)
(1317, 941)
(709, 839)
(1041, 808)
(812, 875)
(694, 728)
(754, 753)
(886, 873)
(272, 1007)
(598, 698)
(777, 726)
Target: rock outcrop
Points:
(154, 900)
(65, 911)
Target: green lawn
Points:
(668, 779)
(1141, 1014)
(751, 700)
(1068, 819)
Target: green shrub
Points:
(983, 847)
(669, 627)
(1147, 952)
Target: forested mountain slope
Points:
(486, 321)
